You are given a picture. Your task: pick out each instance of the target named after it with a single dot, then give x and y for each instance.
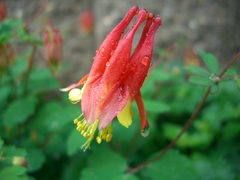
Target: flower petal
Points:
(125, 116)
(113, 104)
(143, 117)
(140, 61)
(91, 92)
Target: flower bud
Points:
(86, 22)
(19, 161)
(3, 10)
(53, 46)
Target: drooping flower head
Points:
(115, 79)
(53, 46)
(3, 10)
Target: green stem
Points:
(29, 68)
(186, 126)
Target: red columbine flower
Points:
(115, 79)
(53, 46)
(86, 22)
(3, 10)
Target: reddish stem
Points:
(186, 126)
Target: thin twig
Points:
(229, 64)
(186, 126)
(36, 14)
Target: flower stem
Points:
(29, 68)
(186, 126)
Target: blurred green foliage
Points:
(38, 139)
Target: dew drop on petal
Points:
(102, 49)
(112, 53)
(108, 64)
(120, 97)
(145, 132)
(146, 61)
(134, 93)
(102, 96)
(147, 42)
(133, 67)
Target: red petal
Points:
(121, 57)
(110, 43)
(140, 62)
(143, 118)
(89, 97)
(113, 104)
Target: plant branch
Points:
(29, 68)
(186, 126)
(36, 14)
(229, 64)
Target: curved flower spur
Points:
(115, 79)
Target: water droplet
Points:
(117, 112)
(137, 74)
(108, 64)
(102, 96)
(112, 53)
(133, 66)
(112, 41)
(147, 42)
(145, 132)
(120, 97)
(106, 107)
(146, 61)
(134, 93)
(102, 49)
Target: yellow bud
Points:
(75, 95)
(99, 140)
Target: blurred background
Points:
(46, 45)
(202, 24)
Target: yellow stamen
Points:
(75, 95)
(89, 131)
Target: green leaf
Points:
(172, 166)
(7, 28)
(52, 116)
(211, 167)
(35, 159)
(196, 139)
(19, 111)
(237, 81)
(11, 151)
(5, 92)
(200, 80)
(75, 142)
(28, 37)
(156, 106)
(210, 61)
(105, 164)
(41, 80)
(197, 70)
(19, 67)
(13, 173)
(1, 143)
